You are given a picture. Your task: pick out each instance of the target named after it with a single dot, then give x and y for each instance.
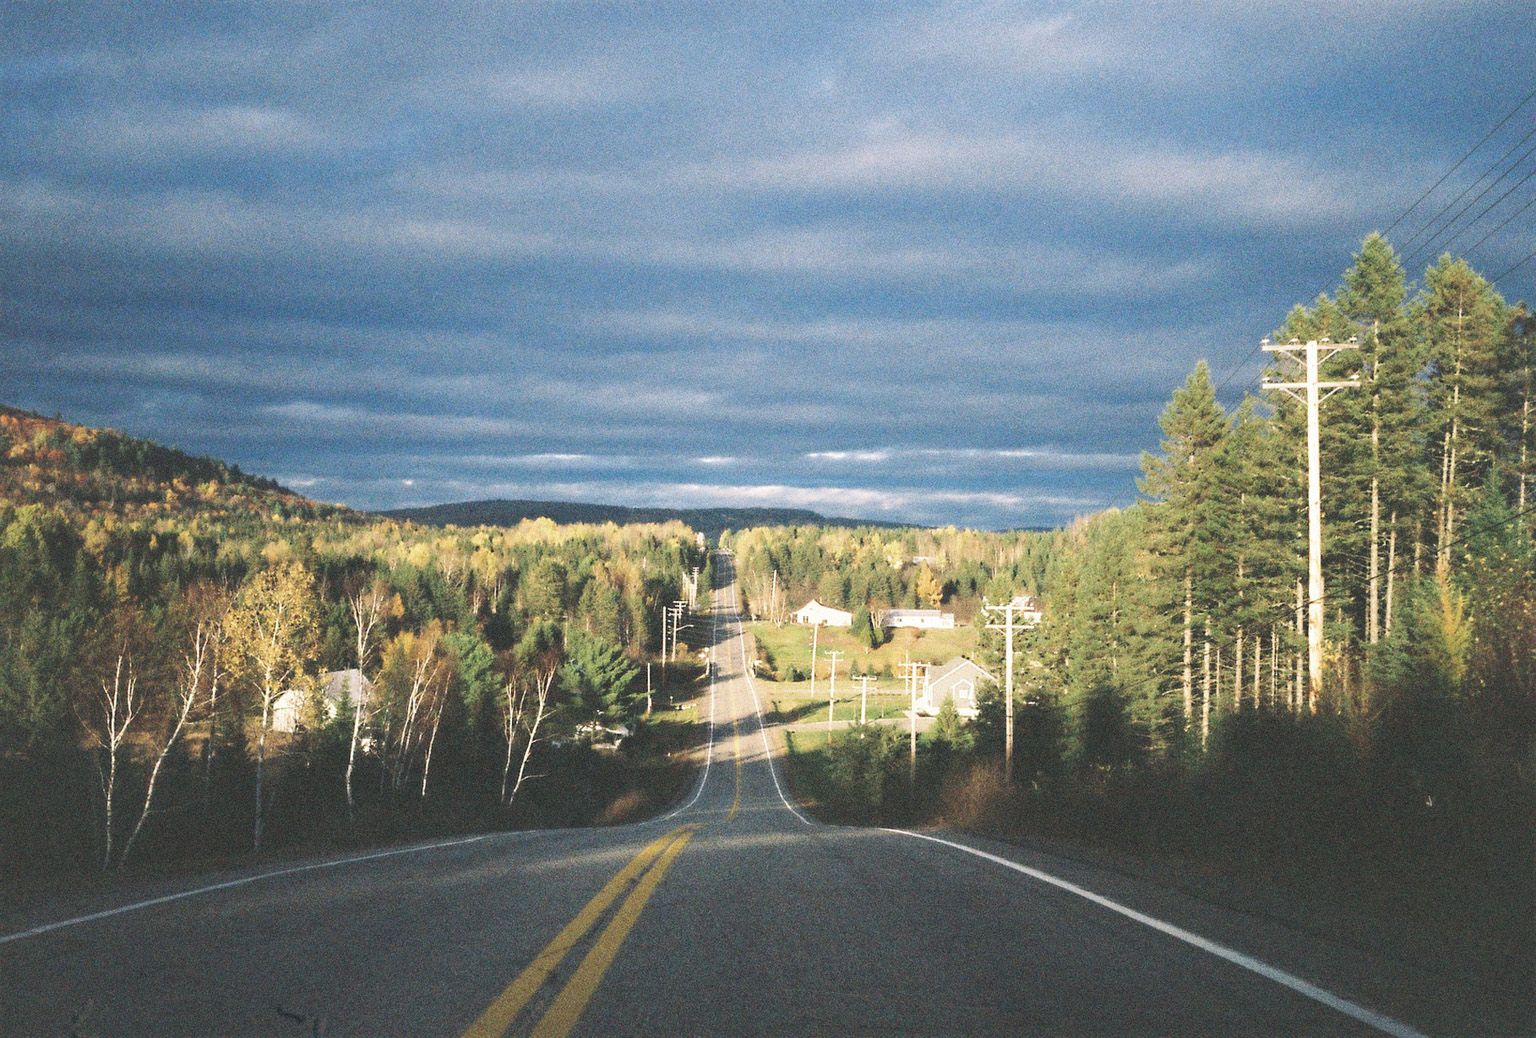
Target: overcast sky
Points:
(931, 262)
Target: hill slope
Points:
(100, 471)
(709, 521)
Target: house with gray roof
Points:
(957, 680)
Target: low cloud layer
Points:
(936, 262)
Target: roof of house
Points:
(814, 605)
(338, 685)
(348, 684)
(957, 669)
(936, 613)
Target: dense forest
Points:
(158, 612)
(711, 522)
(1164, 704)
(866, 569)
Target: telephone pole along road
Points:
(732, 914)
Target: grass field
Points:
(790, 646)
(792, 705)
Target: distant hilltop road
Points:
(709, 521)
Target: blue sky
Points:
(932, 262)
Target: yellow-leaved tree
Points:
(273, 632)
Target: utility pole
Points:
(911, 671)
(1007, 627)
(864, 680)
(677, 624)
(665, 610)
(647, 687)
(815, 630)
(773, 600)
(693, 590)
(1311, 356)
(832, 695)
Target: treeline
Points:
(1164, 704)
(869, 569)
(146, 666)
(1192, 604)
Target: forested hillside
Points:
(869, 568)
(708, 521)
(158, 612)
(97, 473)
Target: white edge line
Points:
(1384, 1024)
(709, 751)
(108, 913)
(757, 705)
(245, 880)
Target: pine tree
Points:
(1518, 367)
(1374, 298)
(598, 679)
(1186, 484)
(1462, 320)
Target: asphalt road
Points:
(732, 914)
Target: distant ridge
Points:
(709, 521)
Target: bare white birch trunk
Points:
(1391, 577)
(541, 704)
(195, 663)
(119, 706)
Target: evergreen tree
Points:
(598, 679)
(1186, 526)
(1462, 320)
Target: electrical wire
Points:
(1447, 174)
(1408, 246)
(1438, 241)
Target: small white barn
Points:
(922, 619)
(335, 688)
(814, 614)
(957, 680)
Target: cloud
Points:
(1027, 457)
(172, 135)
(1243, 186)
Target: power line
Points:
(1510, 270)
(1517, 185)
(1408, 245)
(1503, 225)
(1429, 245)
(1447, 174)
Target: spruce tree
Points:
(1462, 319)
(1185, 482)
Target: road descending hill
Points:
(734, 913)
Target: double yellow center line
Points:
(640, 877)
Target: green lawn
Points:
(790, 645)
(794, 704)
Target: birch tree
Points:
(107, 717)
(367, 606)
(273, 629)
(538, 662)
(196, 674)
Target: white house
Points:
(814, 614)
(923, 619)
(957, 680)
(338, 686)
